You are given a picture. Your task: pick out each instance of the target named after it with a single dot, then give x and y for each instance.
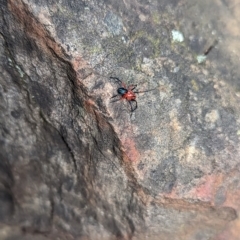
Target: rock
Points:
(75, 165)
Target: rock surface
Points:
(75, 165)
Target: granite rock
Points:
(74, 164)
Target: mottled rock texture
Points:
(74, 165)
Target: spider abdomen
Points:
(122, 91)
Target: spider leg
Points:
(119, 81)
(132, 87)
(115, 96)
(116, 79)
(116, 100)
(149, 90)
(132, 108)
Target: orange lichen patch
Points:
(206, 191)
(131, 150)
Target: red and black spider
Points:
(127, 93)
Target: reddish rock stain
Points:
(207, 190)
(231, 232)
(131, 150)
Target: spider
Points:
(128, 94)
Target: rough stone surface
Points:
(74, 165)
